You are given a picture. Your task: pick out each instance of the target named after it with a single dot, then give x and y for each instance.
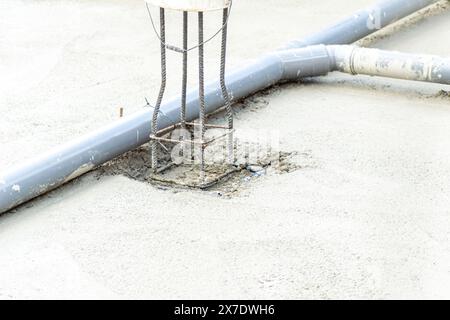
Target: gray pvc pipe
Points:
(362, 23)
(40, 175)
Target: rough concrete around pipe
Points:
(75, 159)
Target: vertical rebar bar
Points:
(185, 69)
(201, 90)
(154, 146)
(223, 86)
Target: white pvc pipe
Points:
(391, 64)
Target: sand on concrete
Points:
(369, 219)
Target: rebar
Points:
(185, 70)
(154, 143)
(201, 90)
(223, 87)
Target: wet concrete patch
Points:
(136, 165)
